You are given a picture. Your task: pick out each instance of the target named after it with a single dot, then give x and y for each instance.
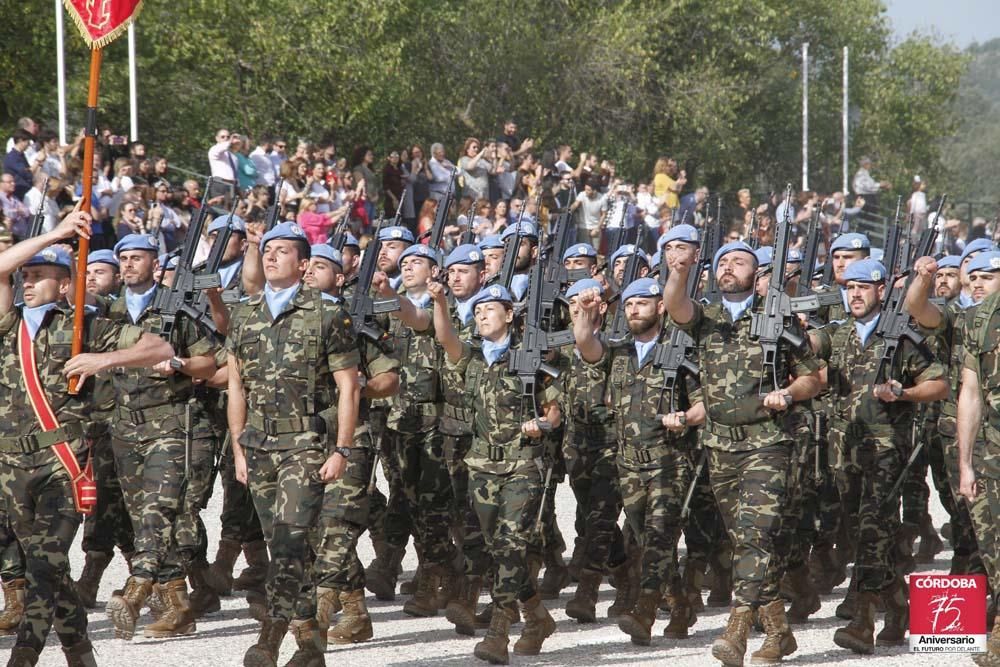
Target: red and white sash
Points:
(84, 488)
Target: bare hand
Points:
(779, 400)
(437, 292)
(380, 282)
(84, 366)
(589, 300)
(925, 267)
(888, 392)
(164, 368)
(240, 466)
(334, 468)
(675, 421)
(967, 482)
(532, 429)
(76, 223)
(255, 232)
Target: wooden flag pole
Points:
(83, 247)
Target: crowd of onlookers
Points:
(497, 180)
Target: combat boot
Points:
(577, 561)
(823, 569)
(627, 591)
(930, 544)
(583, 606)
(897, 614)
(156, 603)
(309, 653)
(13, 612)
(355, 624)
(178, 620)
(859, 635)
(90, 579)
(905, 537)
(255, 575)
(638, 623)
(485, 617)
(779, 640)
(493, 647)
(721, 592)
(257, 605)
(410, 587)
(461, 611)
(23, 656)
(204, 599)
(451, 587)
(538, 625)
(124, 607)
(265, 652)
(220, 573)
(805, 600)
(845, 609)
(692, 581)
(380, 578)
(555, 579)
(424, 601)
(682, 614)
(732, 645)
(327, 606)
(80, 654)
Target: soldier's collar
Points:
(304, 298)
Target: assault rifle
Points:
(37, 222)
(771, 324)
(710, 244)
(806, 299)
(436, 232)
(274, 210)
(363, 307)
(619, 324)
(511, 248)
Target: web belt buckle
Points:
(495, 453)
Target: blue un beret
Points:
(238, 225)
(418, 250)
(625, 251)
(51, 256)
(329, 253)
(764, 255)
(491, 242)
(686, 233)
(794, 256)
(643, 287)
(350, 241)
(168, 262)
(103, 257)
(851, 241)
(579, 250)
(979, 245)
(949, 262)
(865, 271)
(491, 293)
(395, 234)
(734, 246)
(467, 253)
(284, 230)
(580, 285)
(137, 242)
(528, 231)
(876, 253)
(985, 261)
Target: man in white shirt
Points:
(267, 171)
(220, 159)
(33, 198)
(867, 187)
(441, 170)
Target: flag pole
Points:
(83, 247)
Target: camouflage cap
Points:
(642, 288)
(467, 253)
(137, 242)
(865, 271)
(51, 256)
(985, 261)
(329, 253)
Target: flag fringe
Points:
(104, 39)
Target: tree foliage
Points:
(715, 83)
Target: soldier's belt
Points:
(646, 455)
(459, 414)
(499, 453)
(139, 417)
(597, 435)
(421, 410)
(275, 427)
(741, 432)
(26, 444)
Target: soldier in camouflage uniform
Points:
(505, 468)
(979, 423)
(42, 496)
(869, 431)
(654, 429)
(293, 405)
(750, 453)
(150, 427)
(109, 525)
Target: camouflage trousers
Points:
(705, 537)
(288, 495)
(795, 537)
(653, 498)
(751, 488)
(866, 475)
(821, 509)
(109, 526)
(427, 491)
(963, 535)
(985, 513)
(506, 506)
(152, 477)
(239, 517)
(39, 500)
(468, 534)
(593, 477)
(548, 540)
(11, 554)
(388, 521)
(189, 536)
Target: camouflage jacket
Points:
(732, 382)
(286, 367)
(417, 407)
(149, 404)
(53, 346)
(589, 419)
(834, 313)
(982, 357)
(455, 419)
(493, 398)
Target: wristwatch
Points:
(343, 451)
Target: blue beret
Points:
(657, 257)
(168, 261)
(643, 287)
(625, 251)
(949, 262)
(467, 253)
(102, 257)
(579, 250)
(979, 245)
(284, 230)
(51, 256)
(137, 242)
(491, 293)
(395, 234)
(350, 241)
(851, 241)
(238, 225)
(580, 285)
(876, 253)
(985, 261)
(865, 271)
(733, 246)
(491, 242)
(418, 250)
(685, 233)
(764, 255)
(794, 256)
(528, 230)
(329, 253)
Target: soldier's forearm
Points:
(349, 395)
(919, 306)
(679, 306)
(201, 367)
(927, 391)
(805, 387)
(970, 414)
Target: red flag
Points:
(102, 21)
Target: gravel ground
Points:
(223, 637)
